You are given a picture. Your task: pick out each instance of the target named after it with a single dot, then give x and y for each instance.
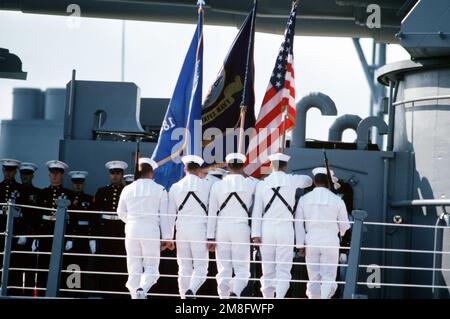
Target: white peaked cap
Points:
(28, 166)
(78, 174)
(321, 170)
(235, 156)
(10, 162)
(149, 161)
(334, 179)
(128, 177)
(116, 165)
(57, 164)
(192, 159)
(337, 186)
(279, 157)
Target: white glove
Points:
(93, 246)
(69, 245)
(343, 258)
(22, 241)
(35, 245)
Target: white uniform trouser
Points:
(317, 259)
(276, 260)
(192, 257)
(142, 255)
(232, 256)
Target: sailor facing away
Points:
(188, 201)
(315, 228)
(228, 227)
(143, 209)
(273, 225)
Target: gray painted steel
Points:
(315, 18)
(343, 122)
(9, 233)
(351, 280)
(54, 271)
(313, 100)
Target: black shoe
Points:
(189, 294)
(233, 295)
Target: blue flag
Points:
(184, 109)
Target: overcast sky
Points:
(50, 49)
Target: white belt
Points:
(110, 217)
(49, 217)
(83, 223)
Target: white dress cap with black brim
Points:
(9, 162)
(78, 174)
(235, 157)
(149, 161)
(129, 178)
(28, 167)
(116, 165)
(55, 164)
(279, 157)
(192, 159)
(321, 170)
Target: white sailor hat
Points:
(337, 186)
(149, 161)
(129, 178)
(78, 174)
(116, 165)
(279, 157)
(217, 171)
(192, 159)
(321, 170)
(55, 164)
(28, 167)
(235, 157)
(10, 162)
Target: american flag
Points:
(277, 113)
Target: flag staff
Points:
(244, 91)
(285, 111)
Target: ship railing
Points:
(350, 285)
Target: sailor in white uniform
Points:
(228, 227)
(143, 209)
(273, 225)
(317, 209)
(188, 201)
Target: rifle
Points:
(136, 159)
(330, 180)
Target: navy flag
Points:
(234, 85)
(183, 113)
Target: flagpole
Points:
(283, 136)
(244, 91)
(285, 112)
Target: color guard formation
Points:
(214, 210)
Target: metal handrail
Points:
(421, 99)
